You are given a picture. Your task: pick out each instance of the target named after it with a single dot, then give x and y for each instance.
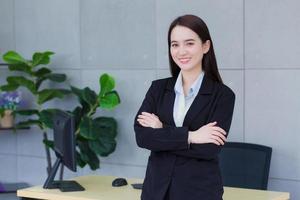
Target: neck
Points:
(189, 77)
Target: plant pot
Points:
(7, 121)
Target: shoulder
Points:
(216, 88)
(163, 81)
(224, 91)
(163, 84)
(159, 86)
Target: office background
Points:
(257, 46)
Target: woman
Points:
(184, 120)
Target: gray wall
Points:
(257, 46)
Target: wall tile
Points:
(290, 186)
(132, 91)
(49, 25)
(235, 80)
(31, 170)
(226, 29)
(8, 168)
(163, 73)
(30, 143)
(122, 40)
(7, 27)
(272, 34)
(272, 113)
(8, 142)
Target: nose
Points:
(182, 51)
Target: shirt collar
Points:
(194, 88)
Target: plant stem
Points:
(92, 110)
(49, 164)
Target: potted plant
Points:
(9, 102)
(95, 135)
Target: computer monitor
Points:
(64, 147)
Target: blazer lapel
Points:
(201, 100)
(169, 100)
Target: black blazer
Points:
(184, 172)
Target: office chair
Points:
(245, 165)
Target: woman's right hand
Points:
(209, 133)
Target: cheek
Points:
(173, 53)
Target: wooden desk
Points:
(99, 188)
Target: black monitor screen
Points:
(64, 147)
(64, 139)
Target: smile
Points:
(184, 60)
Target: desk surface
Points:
(99, 187)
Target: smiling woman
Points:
(187, 49)
(185, 119)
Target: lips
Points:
(184, 60)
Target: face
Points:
(187, 49)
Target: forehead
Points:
(182, 33)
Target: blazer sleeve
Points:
(159, 139)
(223, 116)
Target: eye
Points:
(190, 44)
(174, 45)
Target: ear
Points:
(206, 46)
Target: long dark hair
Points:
(209, 62)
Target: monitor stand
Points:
(64, 186)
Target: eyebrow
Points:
(188, 40)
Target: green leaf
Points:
(27, 112)
(89, 96)
(79, 93)
(21, 81)
(105, 143)
(42, 72)
(20, 67)
(41, 58)
(9, 87)
(49, 94)
(107, 126)
(78, 114)
(2, 110)
(107, 84)
(88, 129)
(30, 122)
(56, 77)
(80, 162)
(87, 155)
(46, 117)
(103, 146)
(86, 96)
(12, 57)
(109, 101)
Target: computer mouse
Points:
(119, 182)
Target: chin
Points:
(186, 67)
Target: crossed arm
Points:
(209, 133)
(204, 143)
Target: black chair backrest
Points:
(245, 165)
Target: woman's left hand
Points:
(149, 120)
